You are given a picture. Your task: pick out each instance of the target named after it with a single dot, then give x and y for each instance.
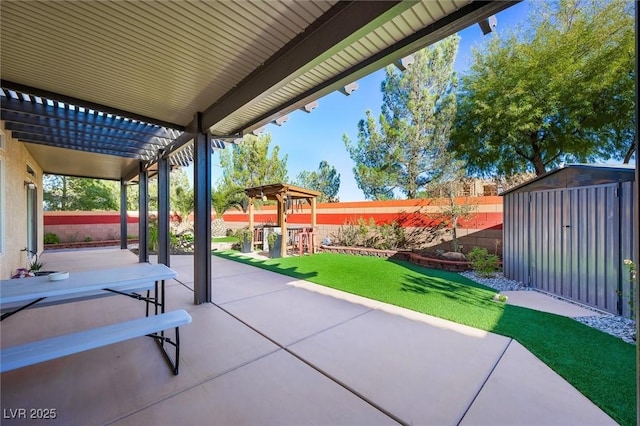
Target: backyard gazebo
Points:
(283, 193)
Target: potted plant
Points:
(275, 244)
(245, 237)
(34, 266)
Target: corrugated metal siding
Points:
(627, 247)
(516, 236)
(571, 242)
(591, 259)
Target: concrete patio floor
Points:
(274, 350)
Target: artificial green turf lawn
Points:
(600, 366)
(225, 239)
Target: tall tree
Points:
(249, 164)
(326, 180)
(560, 90)
(180, 193)
(72, 193)
(417, 113)
(181, 196)
(223, 199)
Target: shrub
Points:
(152, 236)
(483, 263)
(347, 235)
(389, 236)
(243, 234)
(369, 234)
(51, 238)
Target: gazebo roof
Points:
(278, 189)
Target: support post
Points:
(123, 214)
(282, 222)
(251, 222)
(143, 214)
(314, 223)
(202, 214)
(163, 211)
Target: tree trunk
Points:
(631, 150)
(63, 201)
(538, 165)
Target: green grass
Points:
(225, 239)
(600, 366)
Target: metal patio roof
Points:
(96, 87)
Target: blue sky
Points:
(307, 139)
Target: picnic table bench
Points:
(59, 346)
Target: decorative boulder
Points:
(452, 255)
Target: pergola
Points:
(282, 193)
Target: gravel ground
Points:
(623, 328)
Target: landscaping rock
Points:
(452, 255)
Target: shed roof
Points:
(577, 175)
(180, 68)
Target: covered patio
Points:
(273, 350)
(128, 90)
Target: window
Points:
(32, 213)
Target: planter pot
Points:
(42, 273)
(245, 247)
(276, 247)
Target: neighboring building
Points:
(469, 187)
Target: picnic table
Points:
(128, 280)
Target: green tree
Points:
(326, 180)
(417, 114)
(560, 90)
(223, 199)
(449, 186)
(72, 193)
(180, 194)
(249, 164)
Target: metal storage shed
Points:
(568, 232)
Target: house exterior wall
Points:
(15, 159)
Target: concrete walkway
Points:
(403, 366)
(274, 350)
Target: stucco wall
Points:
(482, 228)
(13, 213)
(97, 225)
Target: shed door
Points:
(592, 238)
(574, 239)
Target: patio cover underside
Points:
(123, 83)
